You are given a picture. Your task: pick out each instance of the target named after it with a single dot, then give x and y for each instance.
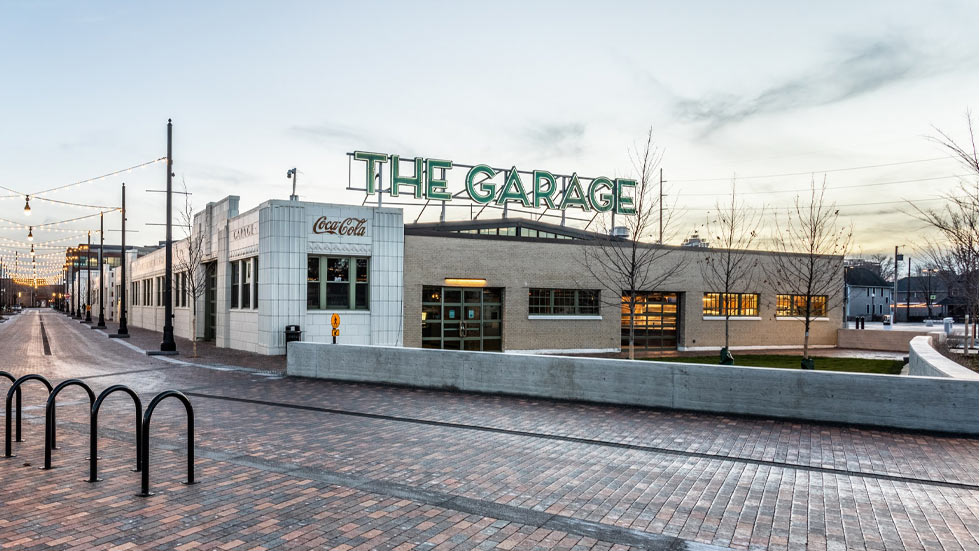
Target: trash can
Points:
(726, 357)
(948, 326)
(293, 334)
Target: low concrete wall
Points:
(926, 361)
(884, 340)
(940, 404)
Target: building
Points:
(930, 296)
(868, 295)
(495, 285)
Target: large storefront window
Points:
(794, 306)
(337, 283)
(563, 302)
(244, 283)
(460, 318)
(730, 304)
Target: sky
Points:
(842, 91)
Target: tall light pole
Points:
(928, 293)
(898, 257)
(101, 323)
(123, 331)
(88, 280)
(169, 346)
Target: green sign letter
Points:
(544, 193)
(435, 188)
(489, 189)
(579, 196)
(604, 202)
(399, 180)
(370, 158)
(624, 203)
(518, 193)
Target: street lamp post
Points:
(928, 293)
(169, 346)
(123, 331)
(88, 280)
(101, 323)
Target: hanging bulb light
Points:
(30, 233)
(32, 249)
(27, 205)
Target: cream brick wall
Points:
(520, 264)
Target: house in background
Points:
(868, 295)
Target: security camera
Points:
(290, 172)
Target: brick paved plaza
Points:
(304, 464)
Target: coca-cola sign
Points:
(356, 227)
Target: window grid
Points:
(730, 304)
(563, 302)
(794, 306)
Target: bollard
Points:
(93, 437)
(10, 394)
(49, 416)
(145, 440)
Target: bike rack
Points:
(145, 440)
(94, 429)
(10, 394)
(49, 416)
(12, 380)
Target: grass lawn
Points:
(853, 365)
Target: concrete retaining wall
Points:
(940, 404)
(870, 339)
(925, 361)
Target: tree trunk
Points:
(806, 338)
(632, 327)
(194, 328)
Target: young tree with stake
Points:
(626, 266)
(810, 267)
(727, 267)
(189, 257)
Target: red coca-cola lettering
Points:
(355, 227)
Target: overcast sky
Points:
(744, 89)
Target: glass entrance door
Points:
(462, 318)
(655, 321)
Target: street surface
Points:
(287, 463)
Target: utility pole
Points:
(123, 331)
(895, 287)
(661, 201)
(101, 323)
(908, 293)
(169, 346)
(88, 280)
(292, 172)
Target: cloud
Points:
(862, 68)
(557, 140)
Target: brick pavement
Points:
(292, 463)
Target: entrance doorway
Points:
(462, 318)
(210, 299)
(655, 321)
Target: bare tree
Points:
(189, 256)
(955, 250)
(727, 267)
(883, 266)
(810, 267)
(625, 265)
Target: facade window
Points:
(244, 292)
(794, 306)
(730, 304)
(233, 275)
(563, 302)
(255, 282)
(246, 271)
(337, 283)
(159, 291)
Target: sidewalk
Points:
(207, 352)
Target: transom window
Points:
(337, 283)
(730, 304)
(794, 306)
(563, 302)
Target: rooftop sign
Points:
(426, 179)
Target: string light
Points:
(30, 233)
(97, 178)
(27, 205)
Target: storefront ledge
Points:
(797, 318)
(547, 317)
(733, 318)
(552, 351)
(751, 347)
